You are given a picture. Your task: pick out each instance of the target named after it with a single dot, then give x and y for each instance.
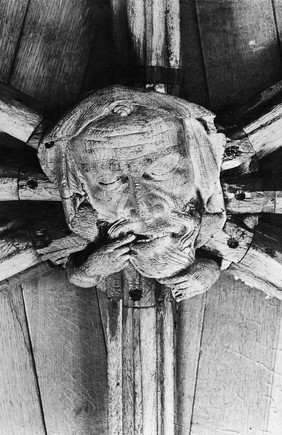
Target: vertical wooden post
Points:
(141, 356)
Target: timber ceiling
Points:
(53, 362)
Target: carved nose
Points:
(141, 203)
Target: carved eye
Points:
(163, 168)
(111, 183)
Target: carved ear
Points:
(206, 152)
(85, 222)
(205, 148)
(60, 168)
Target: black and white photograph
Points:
(140, 217)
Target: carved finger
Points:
(121, 262)
(124, 241)
(121, 251)
(199, 278)
(179, 278)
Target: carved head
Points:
(143, 162)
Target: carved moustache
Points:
(179, 225)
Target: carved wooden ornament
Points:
(138, 174)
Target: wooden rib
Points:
(128, 368)
(256, 103)
(173, 32)
(115, 380)
(247, 197)
(38, 269)
(16, 254)
(149, 369)
(264, 132)
(156, 43)
(168, 377)
(254, 129)
(20, 115)
(119, 29)
(136, 22)
(145, 349)
(231, 243)
(26, 185)
(261, 267)
(138, 396)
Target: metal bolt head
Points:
(135, 294)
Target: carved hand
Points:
(196, 279)
(105, 260)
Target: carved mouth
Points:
(146, 238)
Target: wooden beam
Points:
(16, 254)
(251, 195)
(141, 355)
(25, 184)
(253, 131)
(261, 267)
(20, 115)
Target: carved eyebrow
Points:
(167, 160)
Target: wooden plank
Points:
(148, 352)
(274, 422)
(12, 14)
(278, 18)
(166, 354)
(102, 60)
(240, 48)
(54, 49)
(115, 367)
(20, 406)
(70, 355)
(237, 361)
(193, 86)
(189, 337)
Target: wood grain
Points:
(261, 267)
(141, 360)
(137, 27)
(274, 410)
(53, 50)
(252, 195)
(20, 115)
(240, 49)
(237, 361)
(26, 184)
(20, 407)
(12, 15)
(115, 367)
(16, 254)
(193, 86)
(189, 336)
(69, 352)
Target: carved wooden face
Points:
(146, 165)
(143, 183)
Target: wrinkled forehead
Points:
(139, 136)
